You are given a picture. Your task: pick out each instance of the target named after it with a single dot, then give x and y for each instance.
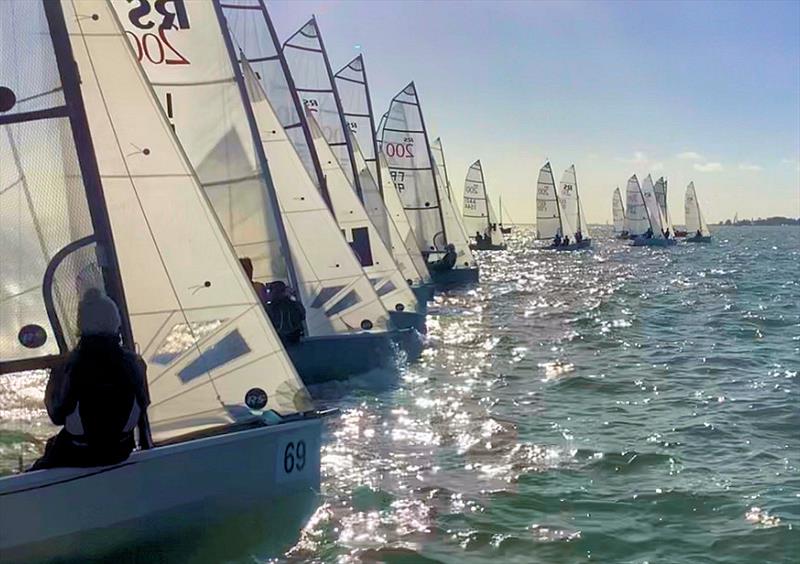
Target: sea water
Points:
(614, 405)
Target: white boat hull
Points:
(84, 512)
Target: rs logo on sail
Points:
(169, 10)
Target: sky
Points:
(696, 91)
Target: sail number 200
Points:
(400, 150)
(156, 48)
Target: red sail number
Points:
(156, 49)
(400, 150)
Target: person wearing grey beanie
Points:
(99, 394)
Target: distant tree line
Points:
(776, 220)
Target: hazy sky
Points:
(703, 91)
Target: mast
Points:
(371, 124)
(259, 149)
(501, 210)
(485, 197)
(87, 161)
(558, 203)
(345, 128)
(578, 199)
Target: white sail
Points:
(479, 218)
(497, 236)
(694, 217)
(550, 220)
(404, 143)
(353, 220)
(338, 295)
(570, 202)
(254, 36)
(351, 83)
(456, 232)
(656, 221)
(618, 211)
(189, 67)
(196, 319)
(382, 220)
(397, 212)
(438, 155)
(313, 80)
(636, 218)
(660, 189)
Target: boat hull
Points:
(424, 293)
(585, 244)
(338, 357)
(643, 242)
(409, 320)
(82, 513)
(456, 277)
(697, 239)
(505, 230)
(489, 247)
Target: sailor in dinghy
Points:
(99, 160)
(657, 232)
(478, 212)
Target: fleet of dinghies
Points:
(645, 216)
(151, 155)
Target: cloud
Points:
(690, 156)
(750, 167)
(708, 167)
(657, 166)
(639, 157)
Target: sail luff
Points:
(343, 122)
(485, 198)
(372, 125)
(259, 149)
(87, 161)
(430, 158)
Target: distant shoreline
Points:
(778, 220)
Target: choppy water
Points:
(619, 405)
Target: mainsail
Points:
(479, 217)
(395, 209)
(618, 211)
(550, 219)
(314, 82)
(404, 143)
(456, 232)
(651, 207)
(570, 202)
(694, 217)
(636, 217)
(660, 190)
(194, 316)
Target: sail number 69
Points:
(294, 457)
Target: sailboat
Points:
(660, 191)
(657, 232)
(453, 222)
(618, 213)
(551, 221)
(351, 192)
(505, 230)
(404, 142)
(695, 222)
(570, 202)
(478, 214)
(88, 155)
(353, 88)
(273, 213)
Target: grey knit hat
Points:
(98, 314)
